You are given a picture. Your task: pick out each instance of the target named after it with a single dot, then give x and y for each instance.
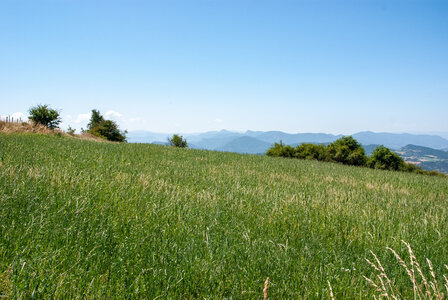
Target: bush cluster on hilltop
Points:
(106, 129)
(98, 126)
(43, 114)
(347, 151)
(178, 141)
(49, 118)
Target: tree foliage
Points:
(95, 119)
(43, 114)
(279, 149)
(178, 141)
(348, 151)
(71, 130)
(310, 151)
(384, 159)
(106, 129)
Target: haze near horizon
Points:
(172, 66)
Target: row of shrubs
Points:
(347, 151)
(98, 125)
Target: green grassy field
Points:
(86, 219)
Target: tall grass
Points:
(81, 219)
(423, 286)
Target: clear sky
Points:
(193, 66)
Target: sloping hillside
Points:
(427, 158)
(81, 219)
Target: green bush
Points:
(95, 119)
(71, 130)
(346, 150)
(310, 151)
(178, 141)
(43, 114)
(384, 159)
(281, 150)
(275, 150)
(106, 129)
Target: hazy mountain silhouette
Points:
(245, 144)
(398, 140)
(259, 140)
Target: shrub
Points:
(106, 129)
(346, 150)
(275, 150)
(43, 114)
(384, 159)
(281, 150)
(357, 157)
(71, 130)
(310, 151)
(95, 119)
(178, 141)
(109, 130)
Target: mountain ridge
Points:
(213, 140)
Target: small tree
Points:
(281, 150)
(109, 130)
(105, 129)
(95, 119)
(384, 159)
(178, 141)
(346, 150)
(310, 151)
(275, 150)
(71, 130)
(43, 114)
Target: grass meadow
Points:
(83, 219)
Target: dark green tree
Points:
(178, 141)
(71, 130)
(95, 119)
(43, 114)
(346, 150)
(275, 150)
(106, 129)
(280, 150)
(384, 159)
(310, 151)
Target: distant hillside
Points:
(257, 142)
(398, 140)
(246, 144)
(141, 136)
(369, 148)
(213, 143)
(217, 139)
(427, 158)
(297, 138)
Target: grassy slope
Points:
(83, 218)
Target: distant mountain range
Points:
(259, 141)
(428, 151)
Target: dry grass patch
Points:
(29, 127)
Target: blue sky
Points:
(193, 66)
